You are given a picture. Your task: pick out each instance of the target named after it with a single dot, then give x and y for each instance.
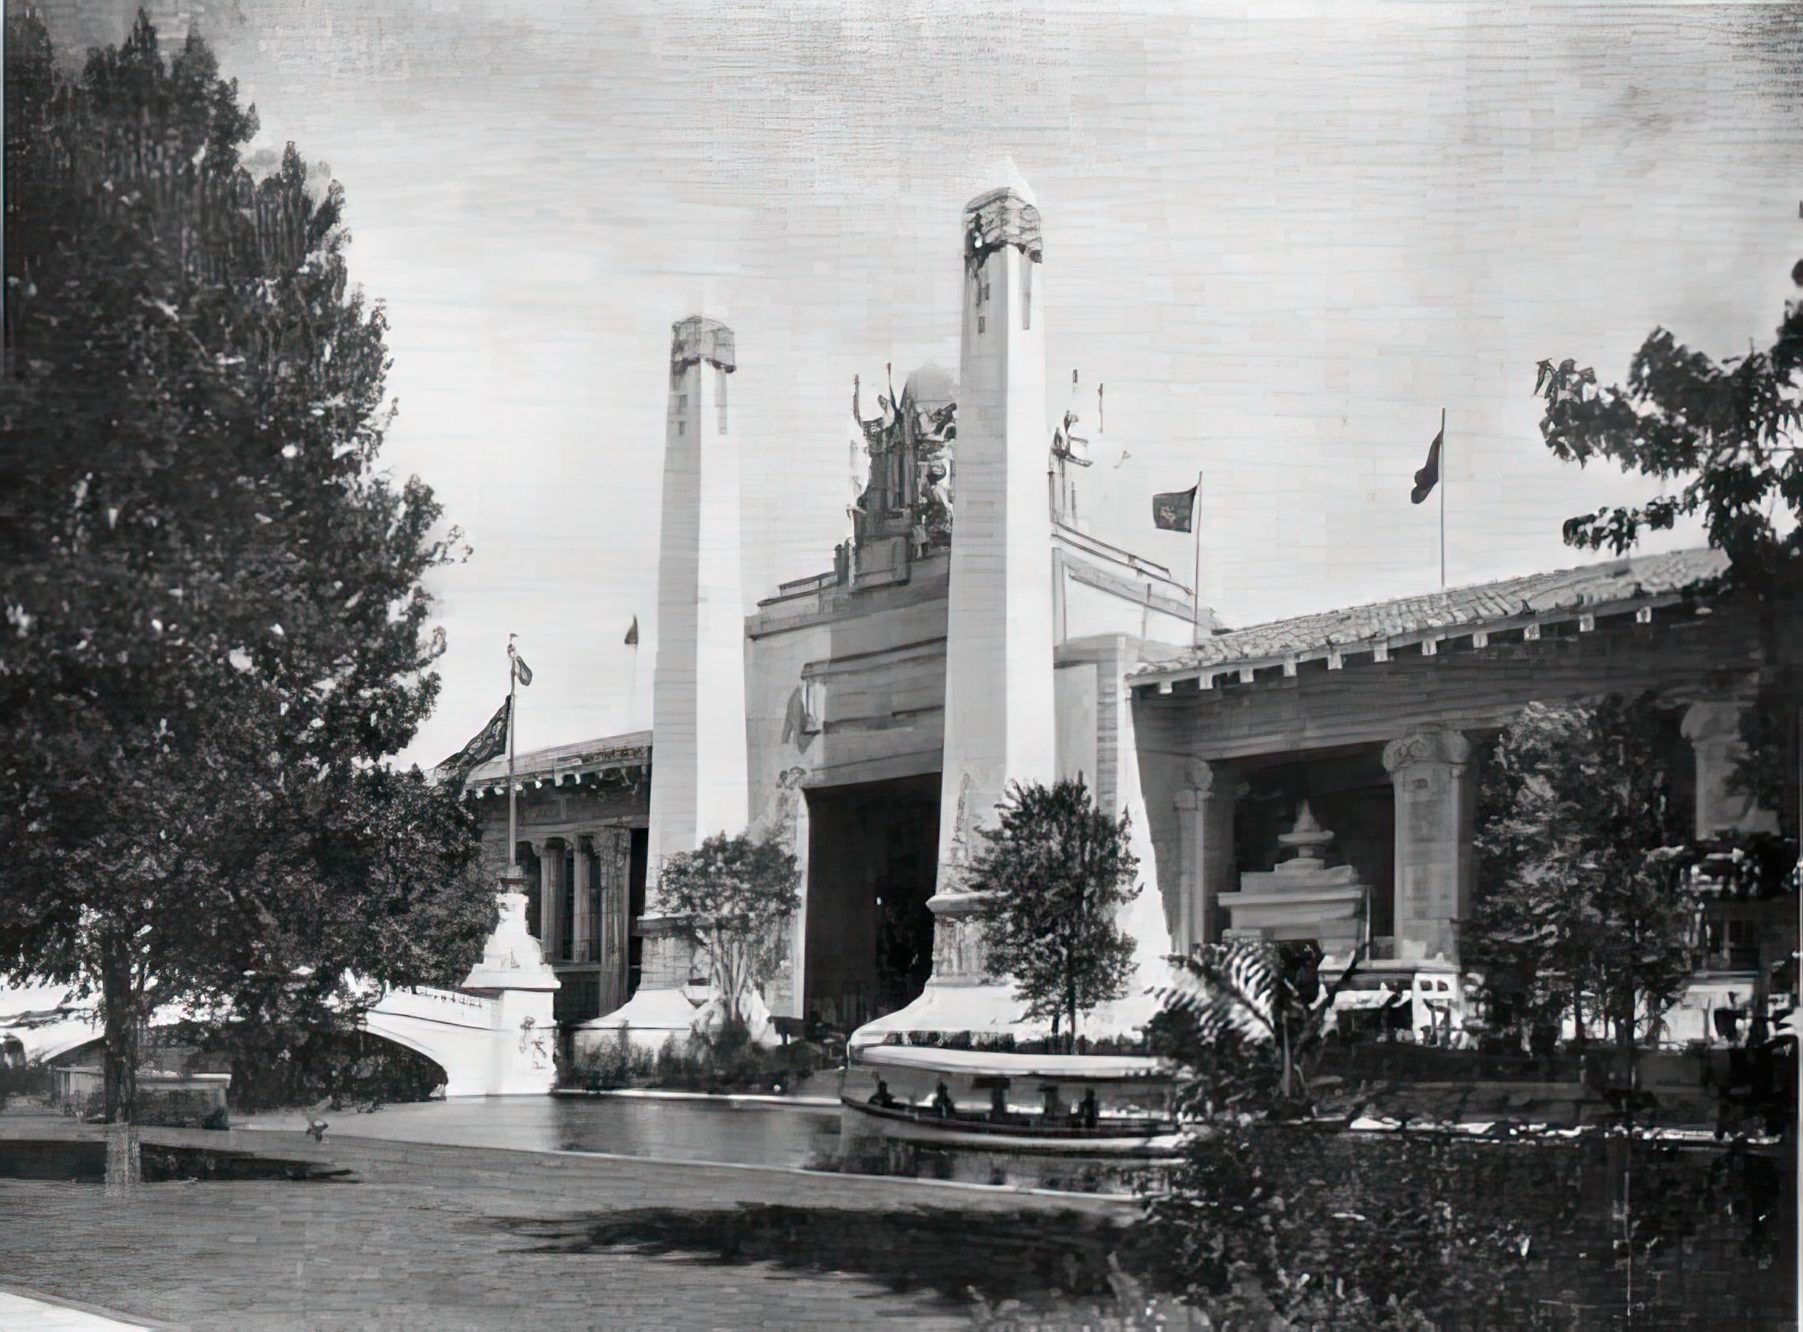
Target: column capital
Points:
(1213, 780)
(1716, 719)
(1432, 745)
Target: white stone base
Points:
(650, 1018)
(985, 1011)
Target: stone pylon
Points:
(1000, 719)
(514, 973)
(699, 779)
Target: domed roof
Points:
(930, 387)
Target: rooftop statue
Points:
(909, 491)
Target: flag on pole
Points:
(490, 742)
(1175, 510)
(632, 634)
(521, 671)
(1429, 475)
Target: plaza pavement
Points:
(19, 1310)
(429, 1237)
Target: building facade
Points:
(970, 633)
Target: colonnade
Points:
(583, 913)
(1434, 782)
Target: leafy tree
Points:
(1054, 873)
(733, 895)
(215, 623)
(1582, 858)
(1723, 429)
(1725, 433)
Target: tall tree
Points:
(1583, 855)
(732, 895)
(1054, 873)
(216, 627)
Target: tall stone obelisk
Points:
(1000, 722)
(698, 759)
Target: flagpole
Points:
(1444, 473)
(1195, 591)
(513, 841)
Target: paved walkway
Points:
(22, 1311)
(432, 1237)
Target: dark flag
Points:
(489, 742)
(521, 671)
(632, 634)
(1173, 511)
(1429, 475)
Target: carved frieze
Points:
(998, 219)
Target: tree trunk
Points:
(1070, 1007)
(119, 1013)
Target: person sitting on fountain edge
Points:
(881, 1096)
(942, 1101)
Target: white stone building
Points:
(971, 633)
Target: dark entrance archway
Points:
(873, 852)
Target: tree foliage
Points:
(1249, 1019)
(1723, 432)
(1582, 857)
(215, 621)
(1054, 874)
(733, 895)
(1722, 429)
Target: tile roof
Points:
(1568, 591)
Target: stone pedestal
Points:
(514, 973)
(667, 998)
(1304, 897)
(1435, 798)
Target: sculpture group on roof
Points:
(910, 470)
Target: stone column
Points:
(700, 783)
(584, 916)
(1205, 814)
(1435, 795)
(612, 855)
(550, 897)
(1713, 729)
(1000, 713)
(537, 923)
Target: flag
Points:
(489, 742)
(1174, 510)
(632, 634)
(1429, 475)
(521, 671)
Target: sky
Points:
(1286, 237)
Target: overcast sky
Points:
(1284, 236)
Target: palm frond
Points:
(1228, 987)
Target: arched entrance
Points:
(872, 858)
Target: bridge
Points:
(493, 1035)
